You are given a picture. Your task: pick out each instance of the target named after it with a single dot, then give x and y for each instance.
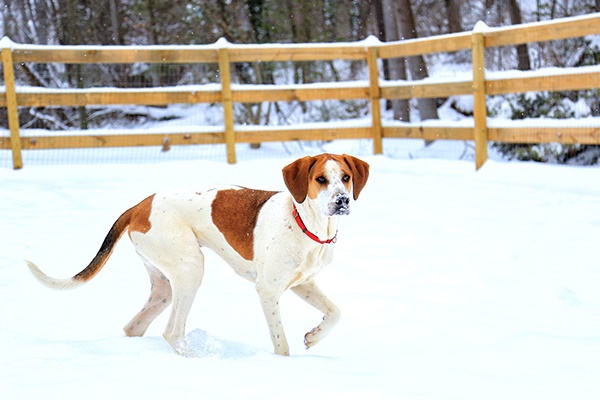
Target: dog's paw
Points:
(312, 337)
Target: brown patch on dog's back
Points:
(137, 218)
(234, 212)
(140, 218)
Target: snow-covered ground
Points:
(453, 284)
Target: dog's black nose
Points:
(342, 201)
(342, 205)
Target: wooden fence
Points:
(224, 54)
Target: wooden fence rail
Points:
(373, 90)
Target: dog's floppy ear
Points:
(360, 173)
(295, 176)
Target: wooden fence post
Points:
(227, 101)
(480, 133)
(11, 102)
(375, 96)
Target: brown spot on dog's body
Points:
(140, 217)
(136, 218)
(234, 212)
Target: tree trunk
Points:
(416, 64)
(114, 20)
(378, 4)
(524, 64)
(454, 18)
(396, 66)
(300, 34)
(76, 77)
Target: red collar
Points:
(308, 233)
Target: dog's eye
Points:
(321, 180)
(346, 178)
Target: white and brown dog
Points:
(275, 240)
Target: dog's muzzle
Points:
(342, 205)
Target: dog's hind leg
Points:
(175, 252)
(160, 298)
(185, 283)
(311, 293)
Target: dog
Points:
(276, 240)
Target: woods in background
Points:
(129, 22)
(148, 22)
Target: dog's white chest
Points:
(311, 264)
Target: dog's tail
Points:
(111, 239)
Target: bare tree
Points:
(396, 66)
(114, 20)
(514, 11)
(454, 17)
(416, 64)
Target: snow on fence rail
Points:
(375, 89)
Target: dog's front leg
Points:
(269, 299)
(310, 292)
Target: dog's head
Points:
(327, 179)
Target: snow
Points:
(446, 75)
(453, 284)
(548, 23)
(209, 87)
(541, 72)
(547, 122)
(219, 44)
(5, 43)
(481, 27)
